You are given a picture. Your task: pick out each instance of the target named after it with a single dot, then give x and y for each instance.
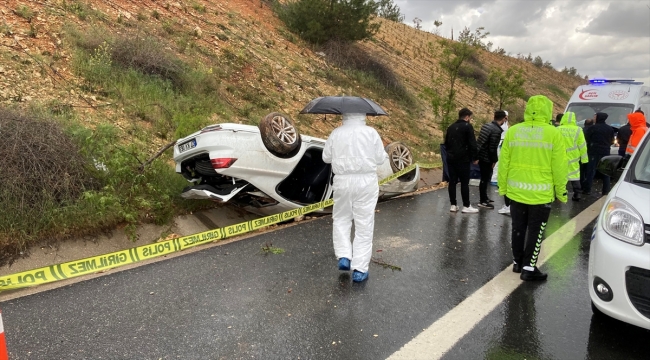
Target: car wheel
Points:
(399, 157)
(279, 135)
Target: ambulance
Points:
(616, 98)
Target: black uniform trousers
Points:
(528, 225)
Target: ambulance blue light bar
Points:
(613, 81)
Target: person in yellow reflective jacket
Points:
(533, 171)
(576, 150)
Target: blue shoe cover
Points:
(344, 264)
(358, 276)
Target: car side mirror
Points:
(611, 166)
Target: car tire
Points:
(400, 157)
(279, 135)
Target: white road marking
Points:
(443, 334)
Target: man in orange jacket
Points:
(638, 126)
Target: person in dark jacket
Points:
(623, 137)
(460, 143)
(583, 167)
(558, 120)
(488, 144)
(599, 138)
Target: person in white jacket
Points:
(354, 150)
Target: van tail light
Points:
(222, 163)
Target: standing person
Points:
(623, 137)
(639, 128)
(488, 146)
(558, 120)
(600, 138)
(576, 151)
(583, 167)
(354, 150)
(505, 209)
(532, 173)
(460, 143)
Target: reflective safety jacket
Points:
(638, 126)
(533, 166)
(576, 146)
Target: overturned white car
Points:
(271, 168)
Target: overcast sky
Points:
(608, 39)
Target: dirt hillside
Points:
(35, 61)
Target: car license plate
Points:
(187, 145)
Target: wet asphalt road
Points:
(232, 301)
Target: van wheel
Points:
(279, 135)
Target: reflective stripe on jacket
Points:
(533, 166)
(576, 146)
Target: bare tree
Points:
(418, 23)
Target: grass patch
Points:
(268, 248)
(152, 84)
(557, 91)
(199, 8)
(5, 29)
(368, 72)
(82, 10)
(25, 12)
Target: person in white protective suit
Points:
(506, 206)
(354, 150)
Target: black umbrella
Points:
(343, 105)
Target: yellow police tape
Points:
(112, 260)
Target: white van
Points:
(616, 98)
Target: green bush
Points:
(318, 21)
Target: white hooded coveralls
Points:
(354, 150)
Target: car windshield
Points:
(641, 168)
(617, 113)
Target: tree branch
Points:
(160, 152)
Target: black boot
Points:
(534, 275)
(576, 197)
